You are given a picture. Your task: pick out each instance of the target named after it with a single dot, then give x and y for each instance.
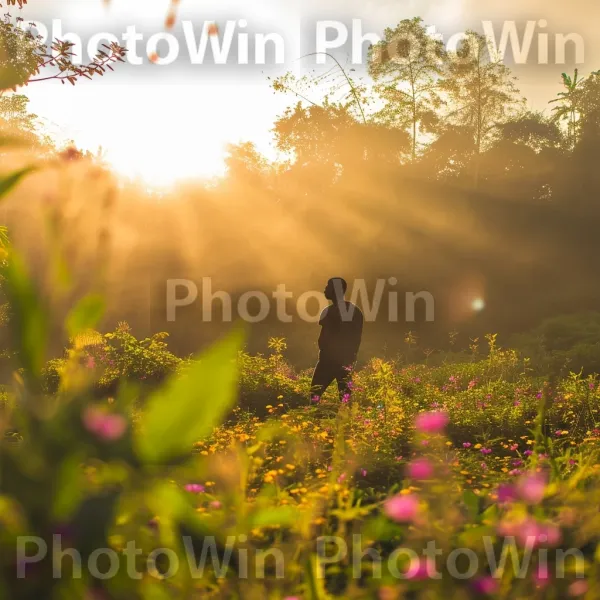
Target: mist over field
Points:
(327, 329)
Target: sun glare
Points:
(167, 161)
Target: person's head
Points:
(335, 289)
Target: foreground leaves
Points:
(189, 407)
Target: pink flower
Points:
(420, 468)
(531, 532)
(420, 569)
(485, 451)
(578, 588)
(485, 585)
(108, 427)
(91, 362)
(402, 508)
(215, 504)
(506, 493)
(431, 422)
(531, 488)
(514, 447)
(194, 488)
(541, 577)
(467, 444)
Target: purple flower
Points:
(506, 493)
(485, 585)
(528, 453)
(485, 451)
(194, 488)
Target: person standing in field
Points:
(341, 332)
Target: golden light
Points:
(478, 304)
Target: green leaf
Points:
(278, 515)
(10, 181)
(471, 501)
(85, 315)
(189, 406)
(69, 487)
(29, 320)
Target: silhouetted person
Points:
(341, 331)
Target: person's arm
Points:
(323, 336)
(356, 337)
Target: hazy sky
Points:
(169, 122)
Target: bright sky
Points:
(163, 123)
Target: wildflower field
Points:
(468, 479)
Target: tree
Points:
(568, 109)
(588, 106)
(406, 66)
(16, 119)
(24, 59)
(524, 158)
(480, 90)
